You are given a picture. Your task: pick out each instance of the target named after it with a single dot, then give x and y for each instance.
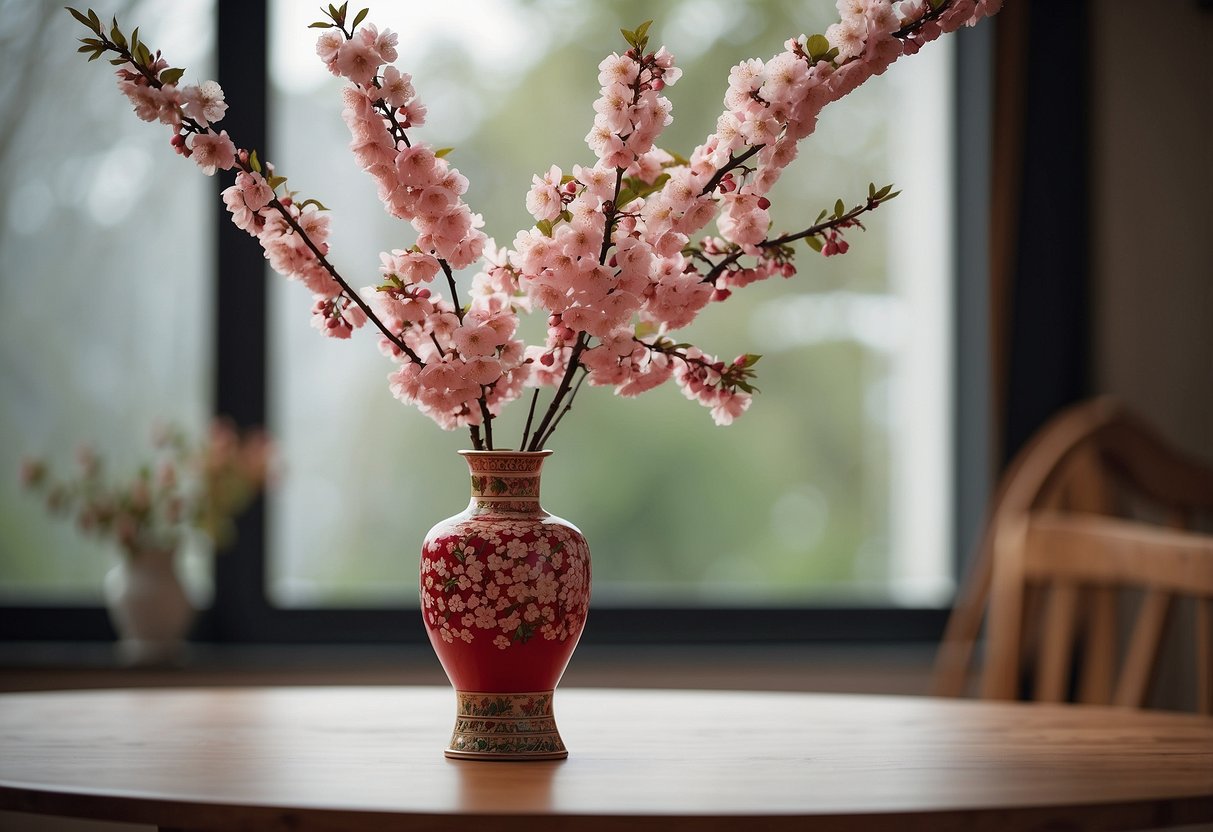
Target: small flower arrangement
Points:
(617, 259)
(186, 486)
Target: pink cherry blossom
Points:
(397, 87)
(358, 61)
(204, 103)
(213, 152)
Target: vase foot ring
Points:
(505, 726)
(502, 757)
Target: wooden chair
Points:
(1063, 543)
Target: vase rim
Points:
(507, 452)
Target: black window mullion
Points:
(240, 310)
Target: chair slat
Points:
(1057, 643)
(1204, 655)
(1134, 684)
(1099, 665)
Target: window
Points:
(834, 487)
(851, 436)
(104, 324)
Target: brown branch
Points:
(811, 231)
(733, 163)
(345, 287)
(567, 407)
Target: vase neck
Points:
(505, 482)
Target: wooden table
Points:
(371, 758)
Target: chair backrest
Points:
(1094, 507)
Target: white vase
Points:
(148, 608)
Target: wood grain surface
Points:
(371, 758)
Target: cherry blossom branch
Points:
(530, 415)
(567, 407)
(543, 431)
(566, 383)
(346, 289)
(733, 163)
(737, 375)
(874, 201)
(143, 63)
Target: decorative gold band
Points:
(505, 726)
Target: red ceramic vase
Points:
(505, 589)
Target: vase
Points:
(149, 608)
(505, 590)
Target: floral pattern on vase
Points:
(505, 591)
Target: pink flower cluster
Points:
(610, 260)
(198, 107)
(286, 231)
(457, 359)
(600, 291)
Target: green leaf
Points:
(567, 216)
(143, 55)
(135, 39)
(358, 18)
(545, 227)
(344, 6)
(567, 178)
(817, 46)
(319, 205)
(839, 209)
(751, 360)
(438, 154)
(83, 19)
(629, 36)
(832, 54)
(678, 161)
(820, 217)
(118, 61)
(890, 196)
(171, 75)
(642, 30)
(275, 181)
(96, 21)
(814, 243)
(254, 162)
(116, 35)
(95, 56)
(320, 24)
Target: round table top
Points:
(371, 758)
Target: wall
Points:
(1152, 238)
(1152, 218)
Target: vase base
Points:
(505, 726)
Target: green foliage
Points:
(635, 188)
(638, 38)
